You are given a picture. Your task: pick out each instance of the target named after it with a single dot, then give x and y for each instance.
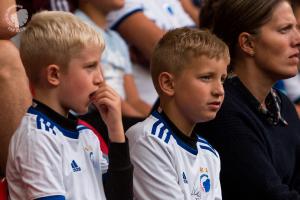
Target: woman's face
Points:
(276, 45)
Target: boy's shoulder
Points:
(43, 124)
(153, 126)
(207, 147)
(37, 129)
(156, 128)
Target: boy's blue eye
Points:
(205, 77)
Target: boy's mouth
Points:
(92, 95)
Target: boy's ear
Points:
(166, 83)
(52, 73)
(246, 42)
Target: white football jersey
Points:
(52, 161)
(167, 14)
(166, 167)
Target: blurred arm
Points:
(141, 32)
(133, 97)
(15, 96)
(191, 9)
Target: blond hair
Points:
(178, 46)
(52, 37)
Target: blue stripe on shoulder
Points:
(115, 26)
(167, 139)
(154, 127)
(162, 129)
(161, 132)
(209, 149)
(205, 145)
(55, 197)
(202, 140)
(44, 123)
(181, 143)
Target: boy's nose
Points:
(218, 90)
(98, 79)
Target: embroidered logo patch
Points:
(205, 183)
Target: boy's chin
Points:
(81, 111)
(207, 118)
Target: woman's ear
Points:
(246, 42)
(166, 83)
(53, 74)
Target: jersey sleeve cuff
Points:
(119, 156)
(55, 197)
(119, 21)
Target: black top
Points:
(118, 182)
(259, 148)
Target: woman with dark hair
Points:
(291, 86)
(207, 12)
(257, 130)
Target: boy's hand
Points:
(108, 103)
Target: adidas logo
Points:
(184, 178)
(75, 167)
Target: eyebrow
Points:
(91, 63)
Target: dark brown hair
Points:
(236, 16)
(295, 4)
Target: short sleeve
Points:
(154, 174)
(116, 17)
(38, 160)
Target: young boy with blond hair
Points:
(50, 155)
(170, 160)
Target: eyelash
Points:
(285, 29)
(223, 79)
(91, 66)
(205, 78)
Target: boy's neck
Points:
(184, 125)
(51, 101)
(95, 14)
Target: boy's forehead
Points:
(204, 62)
(207, 58)
(88, 55)
(87, 50)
